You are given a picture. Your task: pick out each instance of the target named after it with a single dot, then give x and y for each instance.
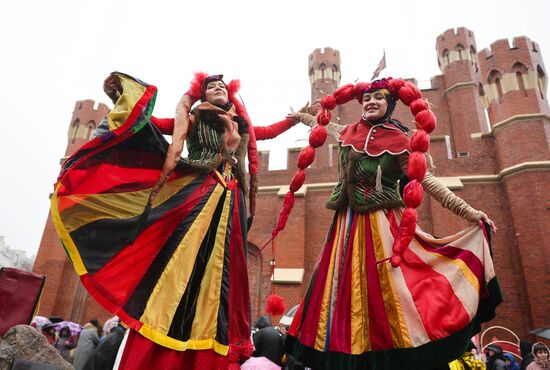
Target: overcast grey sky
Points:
(56, 52)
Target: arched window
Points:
(460, 50)
(473, 57)
(335, 73)
(499, 88)
(520, 70)
(495, 77)
(323, 67)
(472, 53)
(90, 127)
(541, 81)
(446, 56)
(73, 131)
(311, 75)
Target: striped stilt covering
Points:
(182, 280)
(360, 314)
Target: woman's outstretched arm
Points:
(333, 129)
(447, 198)
(166, 126)
(273, 130)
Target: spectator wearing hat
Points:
(510, 361)
(268, 342)
(495, 360)
(48, 331)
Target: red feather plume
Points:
(233, 87)
(275, 305)
(196, 85)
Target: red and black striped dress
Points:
(177, 275)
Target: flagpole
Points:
(385, 60)
(380, 67)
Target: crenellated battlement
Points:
(324, 64)
(324, 72)
(456, 35)
(87, 115)
(324, 53)
(455, 45)
(517, 67)
(89, 105)
(501, 47)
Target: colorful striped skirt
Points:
(361, 313)
(182, 282)
(175, 272)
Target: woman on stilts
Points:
(385, 294)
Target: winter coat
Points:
(64, 344)
(104, 355)
(86, 345)
(513, 364)
(496, 362)
(268, 342)
(538, 364)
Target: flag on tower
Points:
(380, 67)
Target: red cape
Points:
(374, 140)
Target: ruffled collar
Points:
(374, 139)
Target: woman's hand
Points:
(490, 222)
(293, 116)
(309, 109)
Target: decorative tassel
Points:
(275, 305)
(379, 179)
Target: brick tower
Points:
(324, 72)
(63, 294)
(324, 77)
(514, 92)
(457, 59)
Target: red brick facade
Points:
(491, 146)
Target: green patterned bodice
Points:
(204, 144)
(357, 182)
(206, 147)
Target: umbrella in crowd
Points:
(541, 332)
(40, 321)
(75, 328)
(286, 320)
(110, 324)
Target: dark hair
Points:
(65, 329)
(539, 347)
(206, 81)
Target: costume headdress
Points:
(196, 92)
(413, 193)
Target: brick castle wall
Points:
(498, 120)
